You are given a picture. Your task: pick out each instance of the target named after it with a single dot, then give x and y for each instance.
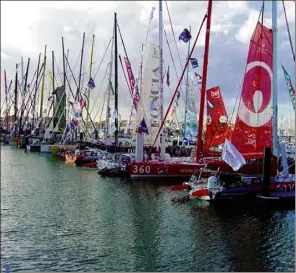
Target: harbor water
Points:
(57, 217)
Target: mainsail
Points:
(253, 126)
(217, 120)
(149, 97)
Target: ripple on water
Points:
(56, 217)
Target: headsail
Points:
(191, 110)
(253, 127)
(217, 120)
(290, 87)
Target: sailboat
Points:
(166, 167)
(255, 125)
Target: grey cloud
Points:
(226, 61)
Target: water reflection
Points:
(56, 217)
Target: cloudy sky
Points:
(26, 27)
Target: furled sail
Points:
(149, 98)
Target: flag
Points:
(168, 77)
(198, 77)
(91, 83)
(290, 87)
(115, 116)
(232, 156)
(152, 105)
(111, 87)
(82, 103)
(152, 14)
(143, 127)
(194, 62)
(185, 36)
(173, 111)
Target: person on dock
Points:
(18, 141)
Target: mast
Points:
(15, 98)
(90, 71)
(186, 94)
(6, 100)
(22, 73)
(288, 29)
(177, 87)
(53, 104)
(274, 80)
(141, 69)
(80, 69)
(116, 79)
(109, 89)
(24, 94)
(36, 89)
(63, 116)
(42, 91)
(64, 66)
(204, 81)
(161, 139)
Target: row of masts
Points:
(114, 54)
(25, 95)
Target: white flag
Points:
(115, 114)
(232, 156)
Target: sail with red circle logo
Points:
(253, 126)
(217, 120)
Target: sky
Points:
(45, 22)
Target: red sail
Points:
(253, 126)
(217, 120)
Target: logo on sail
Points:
(259, 116)
(215, 94)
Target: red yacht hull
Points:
(150, 169)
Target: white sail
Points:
(150, 94)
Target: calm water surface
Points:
(56, 217)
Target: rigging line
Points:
(178, 85)
(144, 46)
(261, 13)
(102, 107)
(126, 78)
(238, 95)
(123, 43)
(67, 80)
(136, 90)
(173, 33)
(100, 88)
(171, 93)
(76, 60)
(59, 73)
(7, 99)
(71, 74)
(29, 91)
(288, 29)
(103, 58)
(173, 62)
